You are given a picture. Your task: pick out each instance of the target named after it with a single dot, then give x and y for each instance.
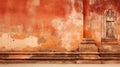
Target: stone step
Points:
(88, 42)
(25, 56)
(38, 58)
(88, 39)
(68, 53)
(39, 53)
(109, 40)
(110, 62)
(61, 58)
(110, 55)
(109, 43)
(58, 53)
(6, 57)
(38, 61)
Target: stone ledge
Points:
(58, 53)
(88, 62)
(38, 61)
(109, 48)
(110, 62)
(88, 41)
(88, 48)
(87, 54)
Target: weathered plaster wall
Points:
(97, 17)
(50, 25)
(40, 25)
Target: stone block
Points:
(88, 62)
(88, 48)
(109, 51)
(109, 48)
(110, 62)
(89, 57)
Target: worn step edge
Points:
(59, 53)
(61, 58)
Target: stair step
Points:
(22, 57)
(110, 43)
(38, 58)
(88, 42)
(61, 58)
(109, 40)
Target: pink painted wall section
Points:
(40, 25)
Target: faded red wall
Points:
(50, 25)
(97, 17)
(40, 25)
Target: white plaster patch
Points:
(10, 43)
(75, 21)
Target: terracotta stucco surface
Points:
(97, 17)
(40, 25)
(51, 25)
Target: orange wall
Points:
(49, 25)
(97, 17)
(40, 25)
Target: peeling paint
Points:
(51, 25)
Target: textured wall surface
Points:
(50, 25)
(40, 25)
(98, 17)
